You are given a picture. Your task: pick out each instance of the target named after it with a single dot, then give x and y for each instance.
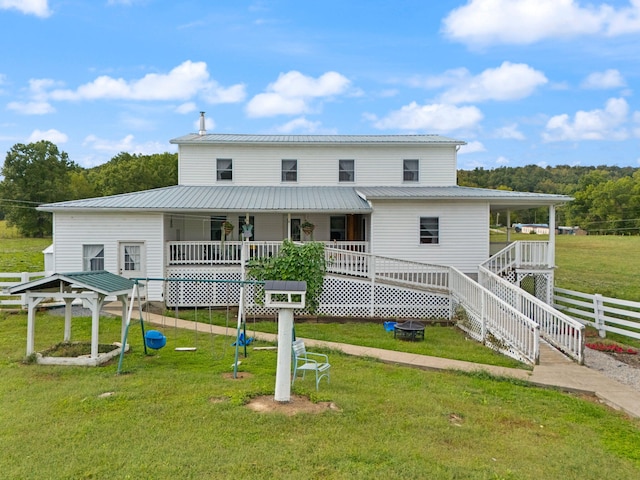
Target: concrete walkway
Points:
(555, 370)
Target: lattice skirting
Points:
(341, 296)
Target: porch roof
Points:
(180, 198)
(498, 199)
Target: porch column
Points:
(289, 226)
(508, 227)
(551, 255)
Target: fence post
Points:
(599, 315)
(24, 278)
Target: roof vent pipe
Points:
(202, 127)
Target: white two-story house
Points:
(390, 196)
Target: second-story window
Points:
(411, 170)
(289, 170)
(224, 169)
(346, 171)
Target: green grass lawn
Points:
(20, 254)
(179, 415)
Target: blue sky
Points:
(544, 82)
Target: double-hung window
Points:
(289, 170)
(224, 169)
(410, 170)
(429, 230)
(346, 171)
(92, 257)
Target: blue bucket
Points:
(155, 339)
(390, 326)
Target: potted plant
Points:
(307, 227)
(227, 227)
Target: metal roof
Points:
(225, 198)
(221, 138)
(498, 198)
(103, 282)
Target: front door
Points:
(132, 260)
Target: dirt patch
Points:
(298, 404)
(239, 376)
(629, 359)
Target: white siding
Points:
(463, 235)
(72, 231)
(317, 165)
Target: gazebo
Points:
(90, 287)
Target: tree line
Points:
(38, 173)
(606, 198)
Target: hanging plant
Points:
(307, 227)
(227, 227)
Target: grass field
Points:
(19, 254)
(179, 415)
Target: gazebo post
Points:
(32, 301)
(67, 319)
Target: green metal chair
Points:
(304, 361)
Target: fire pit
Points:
(410, 330)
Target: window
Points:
(346, 171)
(410, 170)
(224, 169)
(92, 257)
(289, 170)
(429, 229)
(338, 228)
(132, 258)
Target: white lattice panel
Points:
(341, 297)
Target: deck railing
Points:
(488, 319)
(227, 253)
(560, 330)
(524, 254)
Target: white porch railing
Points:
(488, 319)
(227, 253)
(560, 330)
(521, 255)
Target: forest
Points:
(606, 198)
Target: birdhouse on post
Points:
(286, 296)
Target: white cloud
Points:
(510, 132)
(509, 81)
(472, 147)
(433, 117)
(599, 124)
(293, 93)
(31, 108)
(126, 144)
(502, 161)
(603, 80)
(186, 108)
(52, 135)
(39, 8)
(182, 83)
(300, 124)
(487, 22)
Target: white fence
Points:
(604, 313)
(9, 279)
